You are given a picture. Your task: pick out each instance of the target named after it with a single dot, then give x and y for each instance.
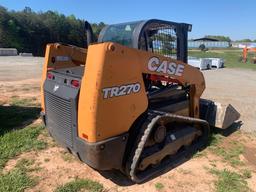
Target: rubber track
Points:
(153, 117)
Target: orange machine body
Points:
(112, 93)
(76, 57)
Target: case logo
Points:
(56, 87)
(121, 90)
(165, 67)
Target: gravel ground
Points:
(236, 87)
(16, 68)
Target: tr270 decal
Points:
(121, 90)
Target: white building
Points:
(8, 52)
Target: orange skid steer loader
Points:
(129, 102)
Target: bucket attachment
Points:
(217, 114)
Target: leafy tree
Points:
(30, 31)
(219, 37)
(202, 47)
(245, 40)
(96, 28)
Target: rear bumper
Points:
(104, 155)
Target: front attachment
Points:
(217, 114)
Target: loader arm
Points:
(185, 74)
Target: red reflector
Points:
(50, 76)
(85, 136)
(75, 83)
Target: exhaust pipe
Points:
(89, 34)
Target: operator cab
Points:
(163, 37)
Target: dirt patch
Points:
(249, 145)
(55, 169)
(20, 76)
(24, 89)
(250, 155)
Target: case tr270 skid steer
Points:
(129, 102)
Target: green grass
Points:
(230, 154)
(215, 140)
(231, 57)
(229, 181)
(159, 186)
(24, 164)
(15, 142)
(246, 173)
(80, 184)
(18, 113)
(66, 156)
(17, 180)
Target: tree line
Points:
(30, 31)
(219, 37)
(226, 38)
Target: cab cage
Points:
(158, 36)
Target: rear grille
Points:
(59, 118)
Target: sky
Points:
(233, 18)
